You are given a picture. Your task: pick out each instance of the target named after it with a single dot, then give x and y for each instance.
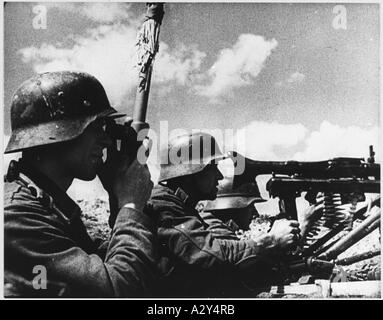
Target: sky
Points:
(291, 81)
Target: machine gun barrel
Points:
(333, 168)
(279, 185)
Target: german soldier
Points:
(195, 260)
(58, 121)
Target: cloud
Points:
(263, 140)
(296, 77)
(332, 140)
(180, 65)
(237, 66)
(109, 12)
(108, 52)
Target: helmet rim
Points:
(186, 169)
(189, 165)
(57, 131)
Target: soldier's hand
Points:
(286, 233)
(309, 216)
(125, 178)
(132, 185)
(122, 150)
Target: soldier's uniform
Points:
(198, 259)
(44, 228)
(218, 225)
(42, 225)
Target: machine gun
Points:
(340, 184)
(291, 178)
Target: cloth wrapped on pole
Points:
(147, 48)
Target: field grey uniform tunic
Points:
(198, 259)
(42, 227)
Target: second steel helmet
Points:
(55, 107)
(188, 154)
(235, 192)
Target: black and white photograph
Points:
(191, 150)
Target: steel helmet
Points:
(188, 154)
(235, 192)
(54, 107)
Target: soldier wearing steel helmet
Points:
(61, 121)
(235, 204)
(195, 260)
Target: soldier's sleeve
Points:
(34, 236)
(188, 240)
(101, 247)
(218, 227)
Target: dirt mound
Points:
(95, 215)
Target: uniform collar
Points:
(61, 199)
(185, 198)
